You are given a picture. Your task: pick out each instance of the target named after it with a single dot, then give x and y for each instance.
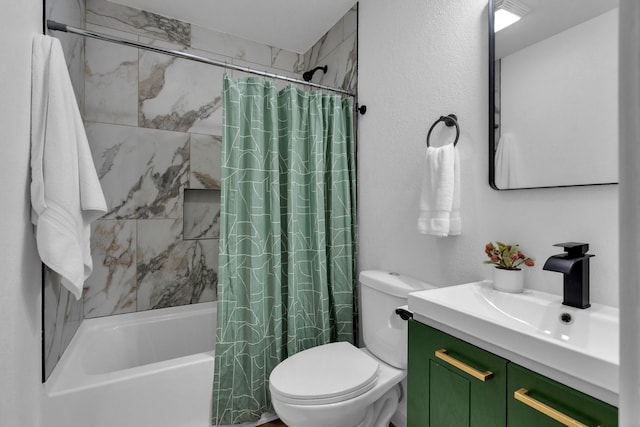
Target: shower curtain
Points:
(287, 277)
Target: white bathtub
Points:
(147, 369)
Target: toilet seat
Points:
(325, 374)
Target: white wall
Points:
(20, 292)
(424, 59)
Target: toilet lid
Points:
(324, 374)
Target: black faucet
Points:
(574, 264)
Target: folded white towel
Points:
(440, 196)
(506, 163)
(65, 191)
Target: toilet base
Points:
(372, 409)
(379, 414)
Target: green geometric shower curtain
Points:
(287, 277)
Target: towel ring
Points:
(450, 120)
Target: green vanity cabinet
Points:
(452, 383)
(537, 401)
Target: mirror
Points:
(553, 94)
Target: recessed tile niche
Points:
(201, 214)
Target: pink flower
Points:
(529, 262)
(495, 258)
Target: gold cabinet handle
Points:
(482, 376)
(566, 420)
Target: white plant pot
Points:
(508, 280)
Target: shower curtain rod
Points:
(56, 26)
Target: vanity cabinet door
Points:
(449, 401)
(537, 401)
(452, 383)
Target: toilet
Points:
(340, 385)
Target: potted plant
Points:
(507, 259)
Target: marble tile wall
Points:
(62, 313)
(71, 12)
(154, 124)
(62, 317)
(338, 50)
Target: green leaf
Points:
(507, 262)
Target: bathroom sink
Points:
(576, 346)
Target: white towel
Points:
(65, 191)
(506, 163)
(440, 196)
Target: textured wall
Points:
(20, 298)
(423, 60)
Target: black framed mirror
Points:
(553, 93)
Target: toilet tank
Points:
(384, 332)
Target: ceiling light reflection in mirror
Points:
(508, 12)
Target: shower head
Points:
(308, 75)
